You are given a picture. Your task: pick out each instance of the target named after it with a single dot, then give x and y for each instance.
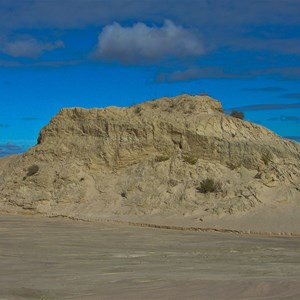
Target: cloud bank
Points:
(232, 14)
(142, 44)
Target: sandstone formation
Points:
(145, 164)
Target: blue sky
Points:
(96, 53)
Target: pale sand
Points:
(270, 219)
(44, 258)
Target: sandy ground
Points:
(44, 258)
(269, 219)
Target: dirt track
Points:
(44, 258)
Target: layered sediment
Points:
(147, 162)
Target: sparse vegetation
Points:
(32, 170)
(172, 182)
(233, 166)
(258, 175)
(161, 158)
(192, 160)
(237, 114)
(192, 106)
(172, 105)
(137, 110)
(182, 196)
(204, 94)
(209, 185)
(124, 194)
(267, 157)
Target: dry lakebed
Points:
(55, 258)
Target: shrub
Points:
(237, 114)
(209, 185)
(192, 106)
(267, 157)
(32, 170)
(172, 182)
(161, 158)
(172, 105)
(124, 194)
(258, 175)
(192, 160)
(137, 109)
(204, 94)
(233, 166)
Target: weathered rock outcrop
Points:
(149, 159)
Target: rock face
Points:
(150, 160)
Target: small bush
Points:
(161, 158)
(172, 182)
(192, 160)
(258, 175)
(267, 157)
(192, 106)
(32, 170)
(204, 94)
(137, 109)
(124, 194)
(237, 114)
(172, 105)
(233, 166)
(209, 185)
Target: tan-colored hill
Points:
(145, 164)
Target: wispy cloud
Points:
(9, 149)
(293, 137)
(284, 45)
(285, 118)
(29, 119)
(142, 44)
(265, 89)
(291, 96)
(230, 14)
(28, 47)
(195, 73)
(50, 64)
(266, 107)
(283, 72)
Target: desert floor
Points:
(43, 258)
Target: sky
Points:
(98, 53)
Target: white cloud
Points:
(141, 44)
(29, 47)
